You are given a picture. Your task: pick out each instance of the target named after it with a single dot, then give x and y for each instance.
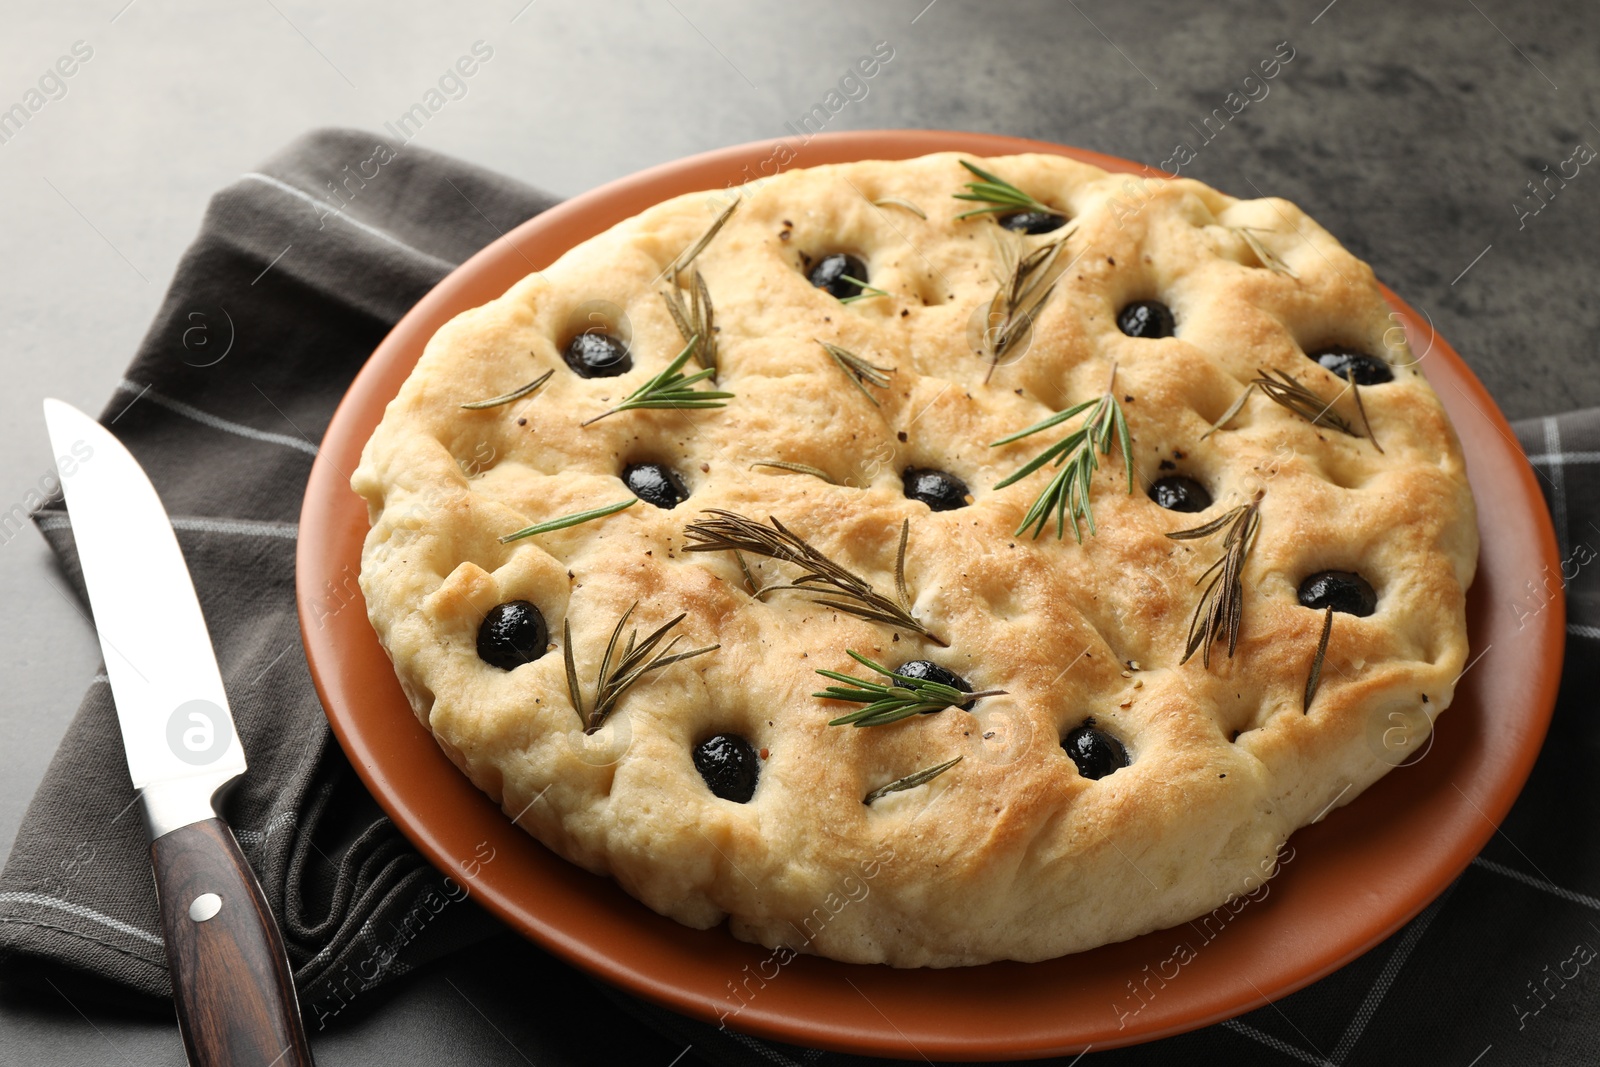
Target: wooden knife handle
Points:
(230, 976)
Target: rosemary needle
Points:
(794, 468)
(1315, 678)
(898, 202)
(568, 520)
(687, 256)
(515, 394)
(1361, 408)
(868, 292)
(910, 781)
(1268, 258)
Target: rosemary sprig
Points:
(1018, 301)
(795, 468)
(1078, 455)
(832, 586)
(568, 520)
(1233, 409)
(635, 662)
(901, 699)
(671, 389)
(860, 372)
(1315, 678)
(687, 256)
(515, 394)
(898, 202)
(694, 317)
(868, 292)
(1222, 604)
(696, 321)
(1000, 195)
(1268, 258)
(1288, 393)
(910, 781)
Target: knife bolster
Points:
(174, 804)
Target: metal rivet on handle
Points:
(204, 907)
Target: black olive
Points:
(1177, 493)
(1368, 370)
(831, 271)
(1344, 591)
(937, 489)
(1031, 222)
(729, 766)
(512, 634)
(598, 355)
(927, 671)
(655, 483)
(1095, 752)
(1147, 318)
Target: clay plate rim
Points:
(1355, 878)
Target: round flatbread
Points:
(1156, 735)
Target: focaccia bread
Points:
(1149, 731)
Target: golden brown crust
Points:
(1011, 854)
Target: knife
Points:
(230, 976)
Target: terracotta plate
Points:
(1354, 878)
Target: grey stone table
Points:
(1429, 137)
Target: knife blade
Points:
(231, 981)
